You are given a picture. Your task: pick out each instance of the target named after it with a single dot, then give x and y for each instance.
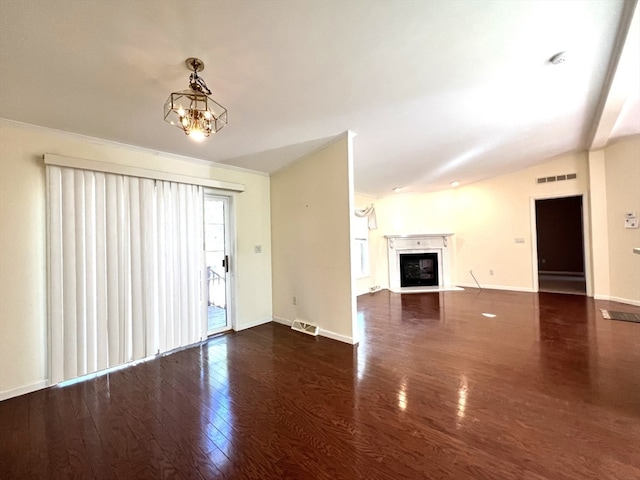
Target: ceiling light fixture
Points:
(397, 189)
(455, 183)
(192, 109)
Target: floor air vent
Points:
(557, 178)
(304, 327)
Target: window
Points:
(361, 248)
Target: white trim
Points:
(498, 287)
(336, 336)
(437, 243)
(282, 321)
(322, 332)
(418, 236)
(107, 167)
(231, 285)
(586, 238)
(23, 390)
(369, 292)
(625, 300)
(127, 146)
(255, 323)
(442, 288)
(618, 299)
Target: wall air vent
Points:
(557, 178)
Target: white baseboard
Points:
(628, 301)
(322, 332)
(255, 323)
(372, 293)
(625, 300)
(447, 288)
(498, 287)
(16, 392)
(282, 321)
(336, 336)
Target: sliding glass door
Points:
(218, 262)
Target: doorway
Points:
(217, 242)
(560, 245)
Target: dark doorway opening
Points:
(560, 244)
(418, 269)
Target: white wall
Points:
(622, 167)
(312, 205)
(23, 316)
(491, 214)
(405, 215)
(599, 224)
(486, 218)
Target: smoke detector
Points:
(558, 58)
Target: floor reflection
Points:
(565, 343)
(462, 400)
(402, 395)
(216, 420)
(417, 308)
(529, 393)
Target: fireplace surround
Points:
(427, 276)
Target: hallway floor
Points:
(572, 284)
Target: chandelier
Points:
(193, 110)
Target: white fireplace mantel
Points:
(438, 243)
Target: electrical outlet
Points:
(490, 272)
(295, 300)
(519, 240)
(257, 249)
(631, 222)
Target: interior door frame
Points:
(230, 251)
(586, 238)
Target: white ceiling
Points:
(436, 90)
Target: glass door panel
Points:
(216, 259)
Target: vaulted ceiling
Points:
(436, 90)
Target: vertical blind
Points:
(124, 266)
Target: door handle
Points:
(225, 263)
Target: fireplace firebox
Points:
(418, 269)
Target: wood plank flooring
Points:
(546, 389)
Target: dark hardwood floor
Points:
(546, 389)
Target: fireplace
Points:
(418, 269)
(420, 263)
